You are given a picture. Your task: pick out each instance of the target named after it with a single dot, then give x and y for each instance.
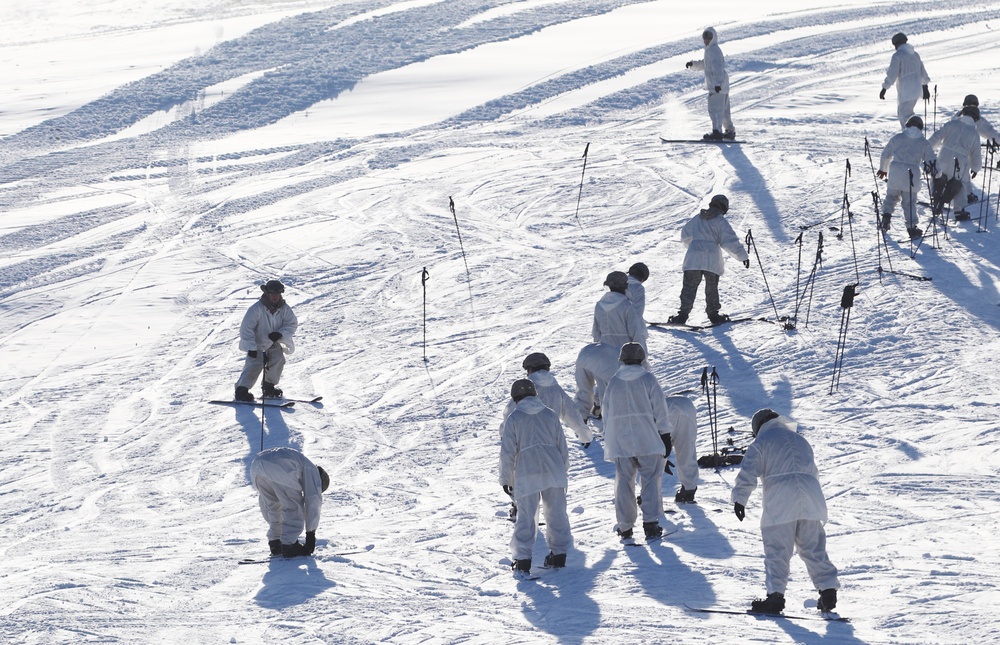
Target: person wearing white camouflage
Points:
(683, 435)
(266, 336)
(958, 158)
(902, 159)
(906, 71)
(717, 84)
(290, 489)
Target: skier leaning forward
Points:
(534, 463)
(793, 509)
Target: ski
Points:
(317, 555)
(648, 541)
(686, 326)
(316, 399)
(716, 141)
(256, 404)
(828, 616)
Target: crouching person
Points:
(290, 490)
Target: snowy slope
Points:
(160, 163)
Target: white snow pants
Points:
(718, 112)
(683, 436)
(650, 471)
(909, 198)
(254, 366)
(809, 539)
(283, 509)
(904, 110)
(557, 534)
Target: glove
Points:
(689, 64)
(718, 89)
(740, 511)
(881, 174)
(252, 353)
(310, 542)
(746, 263)
(275, 336)
(586, 445)
(974, 173)
(881, 94)
(927, 93)
(667, 444)
(508, 489)
(666, 468)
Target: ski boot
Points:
(270, 391)
(652, 529)
(624, 535)
(243, 394)
(680, 318)
(555, 560)
(521, 566)
(773, 604)
(714, 135)
(886, 221)
(717, 318)
(962, 216)
(685, 496)
(274, 546)
(729, 135)
(914, 233)
(293, 550)
(827, 600)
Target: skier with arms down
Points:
(706, 236)
(616, 320)
(266, 335)
(793, 509)
(902, 159)
(906, 71)
(717, 84)
(957, 143)
(534, 463)
(637, 439)
(290, 490)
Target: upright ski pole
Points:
(984, 203)
(935, 109)
(798, 273)
(846, 302)
(468, 275)
(579, 195)
(752, 245)
(811, 281)
(712, 420)
(845, 206)
(263, 410)
(424, 277)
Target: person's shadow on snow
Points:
(275, 433)
(291, 582)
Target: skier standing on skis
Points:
(902, 158)
(266, 335)
(638, 273)
(290, 489)
(683, 434)
(957, 143)
(706, 236)
(637, 439)
(717, 84)
(793, 509)
(534, 463)
(616, 320)
(985, 130)
(906, 71)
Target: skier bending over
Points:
(534, 463)
(793, 509)
(595, 365)
(683, 433)
(290, 490)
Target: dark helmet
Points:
(760, 417)
(639, 271)
(720, 202)
(521, 388)
(324, 479)
(915, 122)
(971, 110)
(536, 361)
(632, 354)
(971, 99)
(898, 39)
(617, 281)
(272, 286)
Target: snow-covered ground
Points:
(161, 160)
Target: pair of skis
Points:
(270, 403)
(828, 616)
(685, 326)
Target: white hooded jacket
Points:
(294, 480)
(533, 454)
(958, 139)
(905, 152)
(260, 320)
(714, 65)
(907, 71)
(555, 398)
(706, 236)
(783, 461)
(616, 321)
(635, 414)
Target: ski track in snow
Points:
(130, 252)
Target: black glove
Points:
(275, 336)
(252, 353)
(740, 511)
(746, 263)
(667, 444)
(666, 468)
(718, 89)
(689, 64)
(974, 173)
(881, 94)
(586, 445)
(508, 489)
(310, 542)
(927, 93)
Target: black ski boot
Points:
(962, 216)
(555, 560)
(773, 604)
(293, 550)
(714, 135)
(652, 529)
(886, 221)
(270, 391)
(717, 318)
(243, 394)
(625, 535)
(914, 233)
(685, 496)
(275, 546)
(680, 318)
(596, 412)
(522, 566)
(729, 135)
(827, 600)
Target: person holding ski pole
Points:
(290, 489)
(793, 510)
(706, 236)
(906, 71)
(986, 131)
(957, 143)
(902, 159)
(266, 336)
(717, 84)
(534, 463)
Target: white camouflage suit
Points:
(906, 71)
(259, 321)
(290, 492)
(683, 435)
(902, 158)
(635, 415)
(988, 133)
(714, 66)
(958, 139)
(595, 365)
(706, 236)
(555, 398)
(534, 460)
(793, 509)
(616, 321)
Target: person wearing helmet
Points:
(290, 488)
(266, 336)
(793, 510)
(683, 434)
(717, 84)
(906, 71)
(902, 159)
(616, 320)
(958, 160)
(637, 440)
(596, 363)
(537, 368)
(534, 463)
(706, 236)
(986, 132)
(638, 273)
